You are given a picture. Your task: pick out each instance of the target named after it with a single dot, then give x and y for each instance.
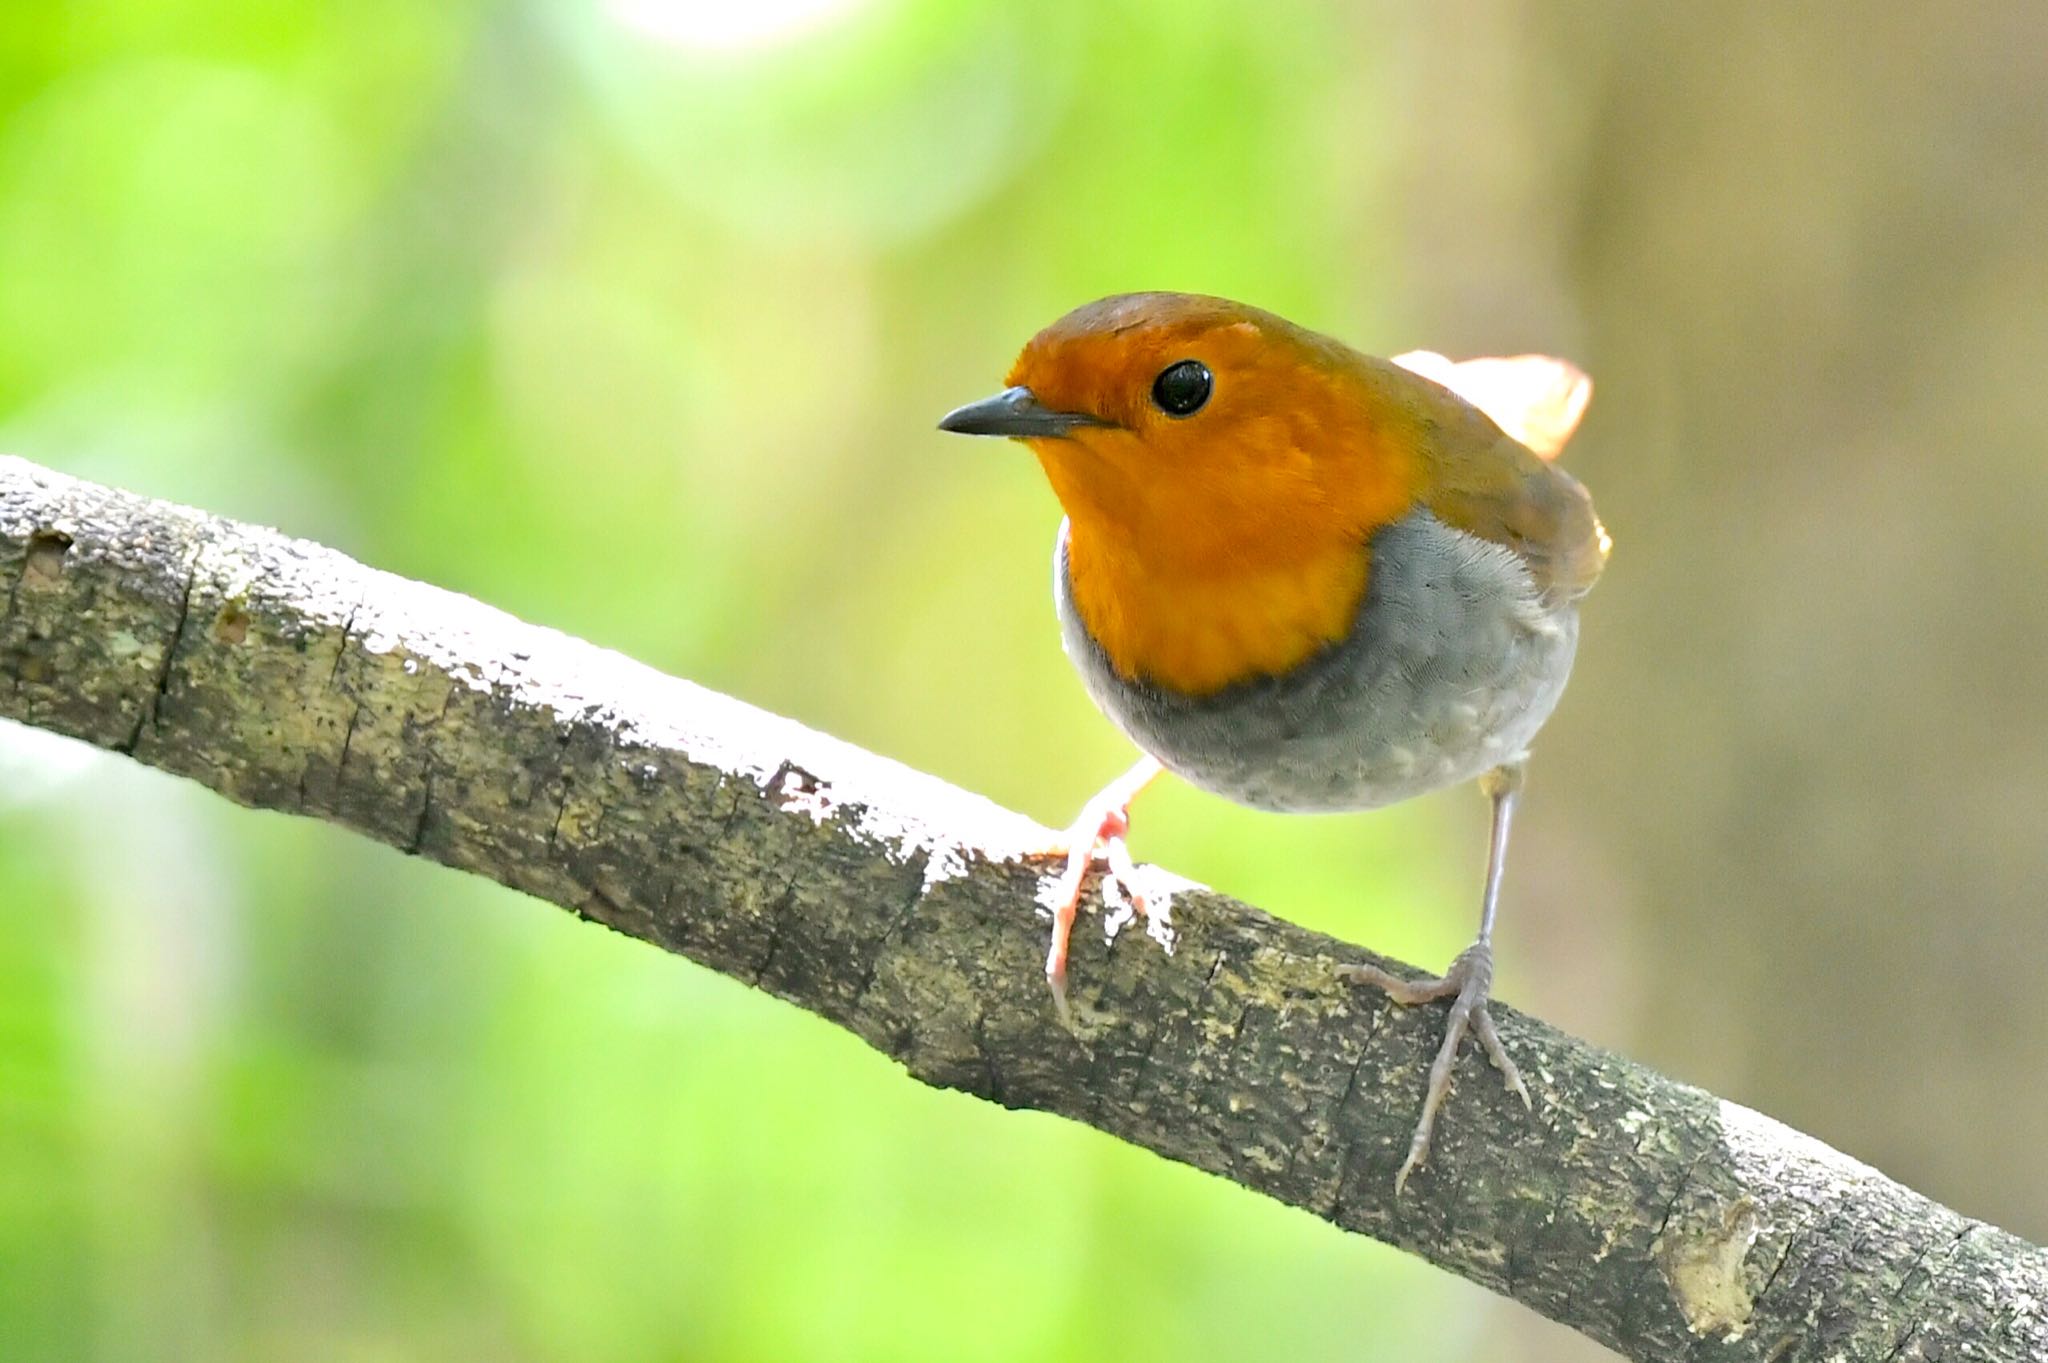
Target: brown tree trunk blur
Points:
(1811, 807)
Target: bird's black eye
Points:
(1182, 388)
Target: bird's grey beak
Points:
(1015, 411)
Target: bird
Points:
(1305, 579)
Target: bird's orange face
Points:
(1221, 470)
(1228, 436)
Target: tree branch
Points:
(1653, 1217)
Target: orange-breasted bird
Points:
(1306, 579)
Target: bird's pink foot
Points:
(1099, 834)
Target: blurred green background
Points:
(634, 317)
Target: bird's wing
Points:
(1537, 399)
(1491, 427)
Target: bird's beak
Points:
(1017, 412)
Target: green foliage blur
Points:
(635, 320)
(634, 317)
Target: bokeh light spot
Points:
(725, 25)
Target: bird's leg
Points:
(1099, 831)
(1468, 983)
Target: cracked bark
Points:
(1653, 1217)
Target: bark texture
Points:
(1653, 1217)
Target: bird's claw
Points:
(1468, 984)
(1098, 835)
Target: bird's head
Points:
(1224, 472)
(1202, 428)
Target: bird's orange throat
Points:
(1198, 564)
(1198, 632)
